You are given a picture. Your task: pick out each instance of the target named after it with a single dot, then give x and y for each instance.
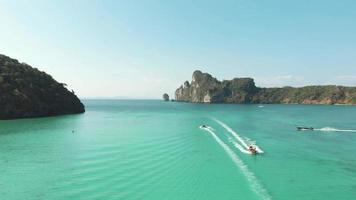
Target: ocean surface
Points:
(154, 150)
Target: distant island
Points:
(165, 97)
(204, 88)
(27, 92)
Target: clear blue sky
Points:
(141, 49)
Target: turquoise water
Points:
(155, 150)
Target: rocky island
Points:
(165, 97)
(27, 92)
(204, 88)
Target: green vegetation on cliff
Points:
(27, 92)
(206, 89)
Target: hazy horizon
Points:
(142, 49)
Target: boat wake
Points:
(239, 147)
(330, 129)
(244, 144)
(250, 176)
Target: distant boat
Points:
(204, 127)
(302, 128)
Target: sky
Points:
(142, 49)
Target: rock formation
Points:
(27, 92)
(206, 89)
(165, 97)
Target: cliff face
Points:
(27, 92)
(206, 89)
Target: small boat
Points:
(204, 126)
(252, 149)
(301, 128)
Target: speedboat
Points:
(301, 128)
(203, 126)
(252, 149)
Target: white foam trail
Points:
(250, 176)
(233, 133)
(238, 146)
(243, 150)
(330, 129)
(258, 149)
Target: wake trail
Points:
(243, 143)
(330, 129)
(238, 146)
(232, 132)
(243, 150)
(255, 185)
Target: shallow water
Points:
(122, 149)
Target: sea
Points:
(156, 150)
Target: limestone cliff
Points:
(206, 89)
(27, 92)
